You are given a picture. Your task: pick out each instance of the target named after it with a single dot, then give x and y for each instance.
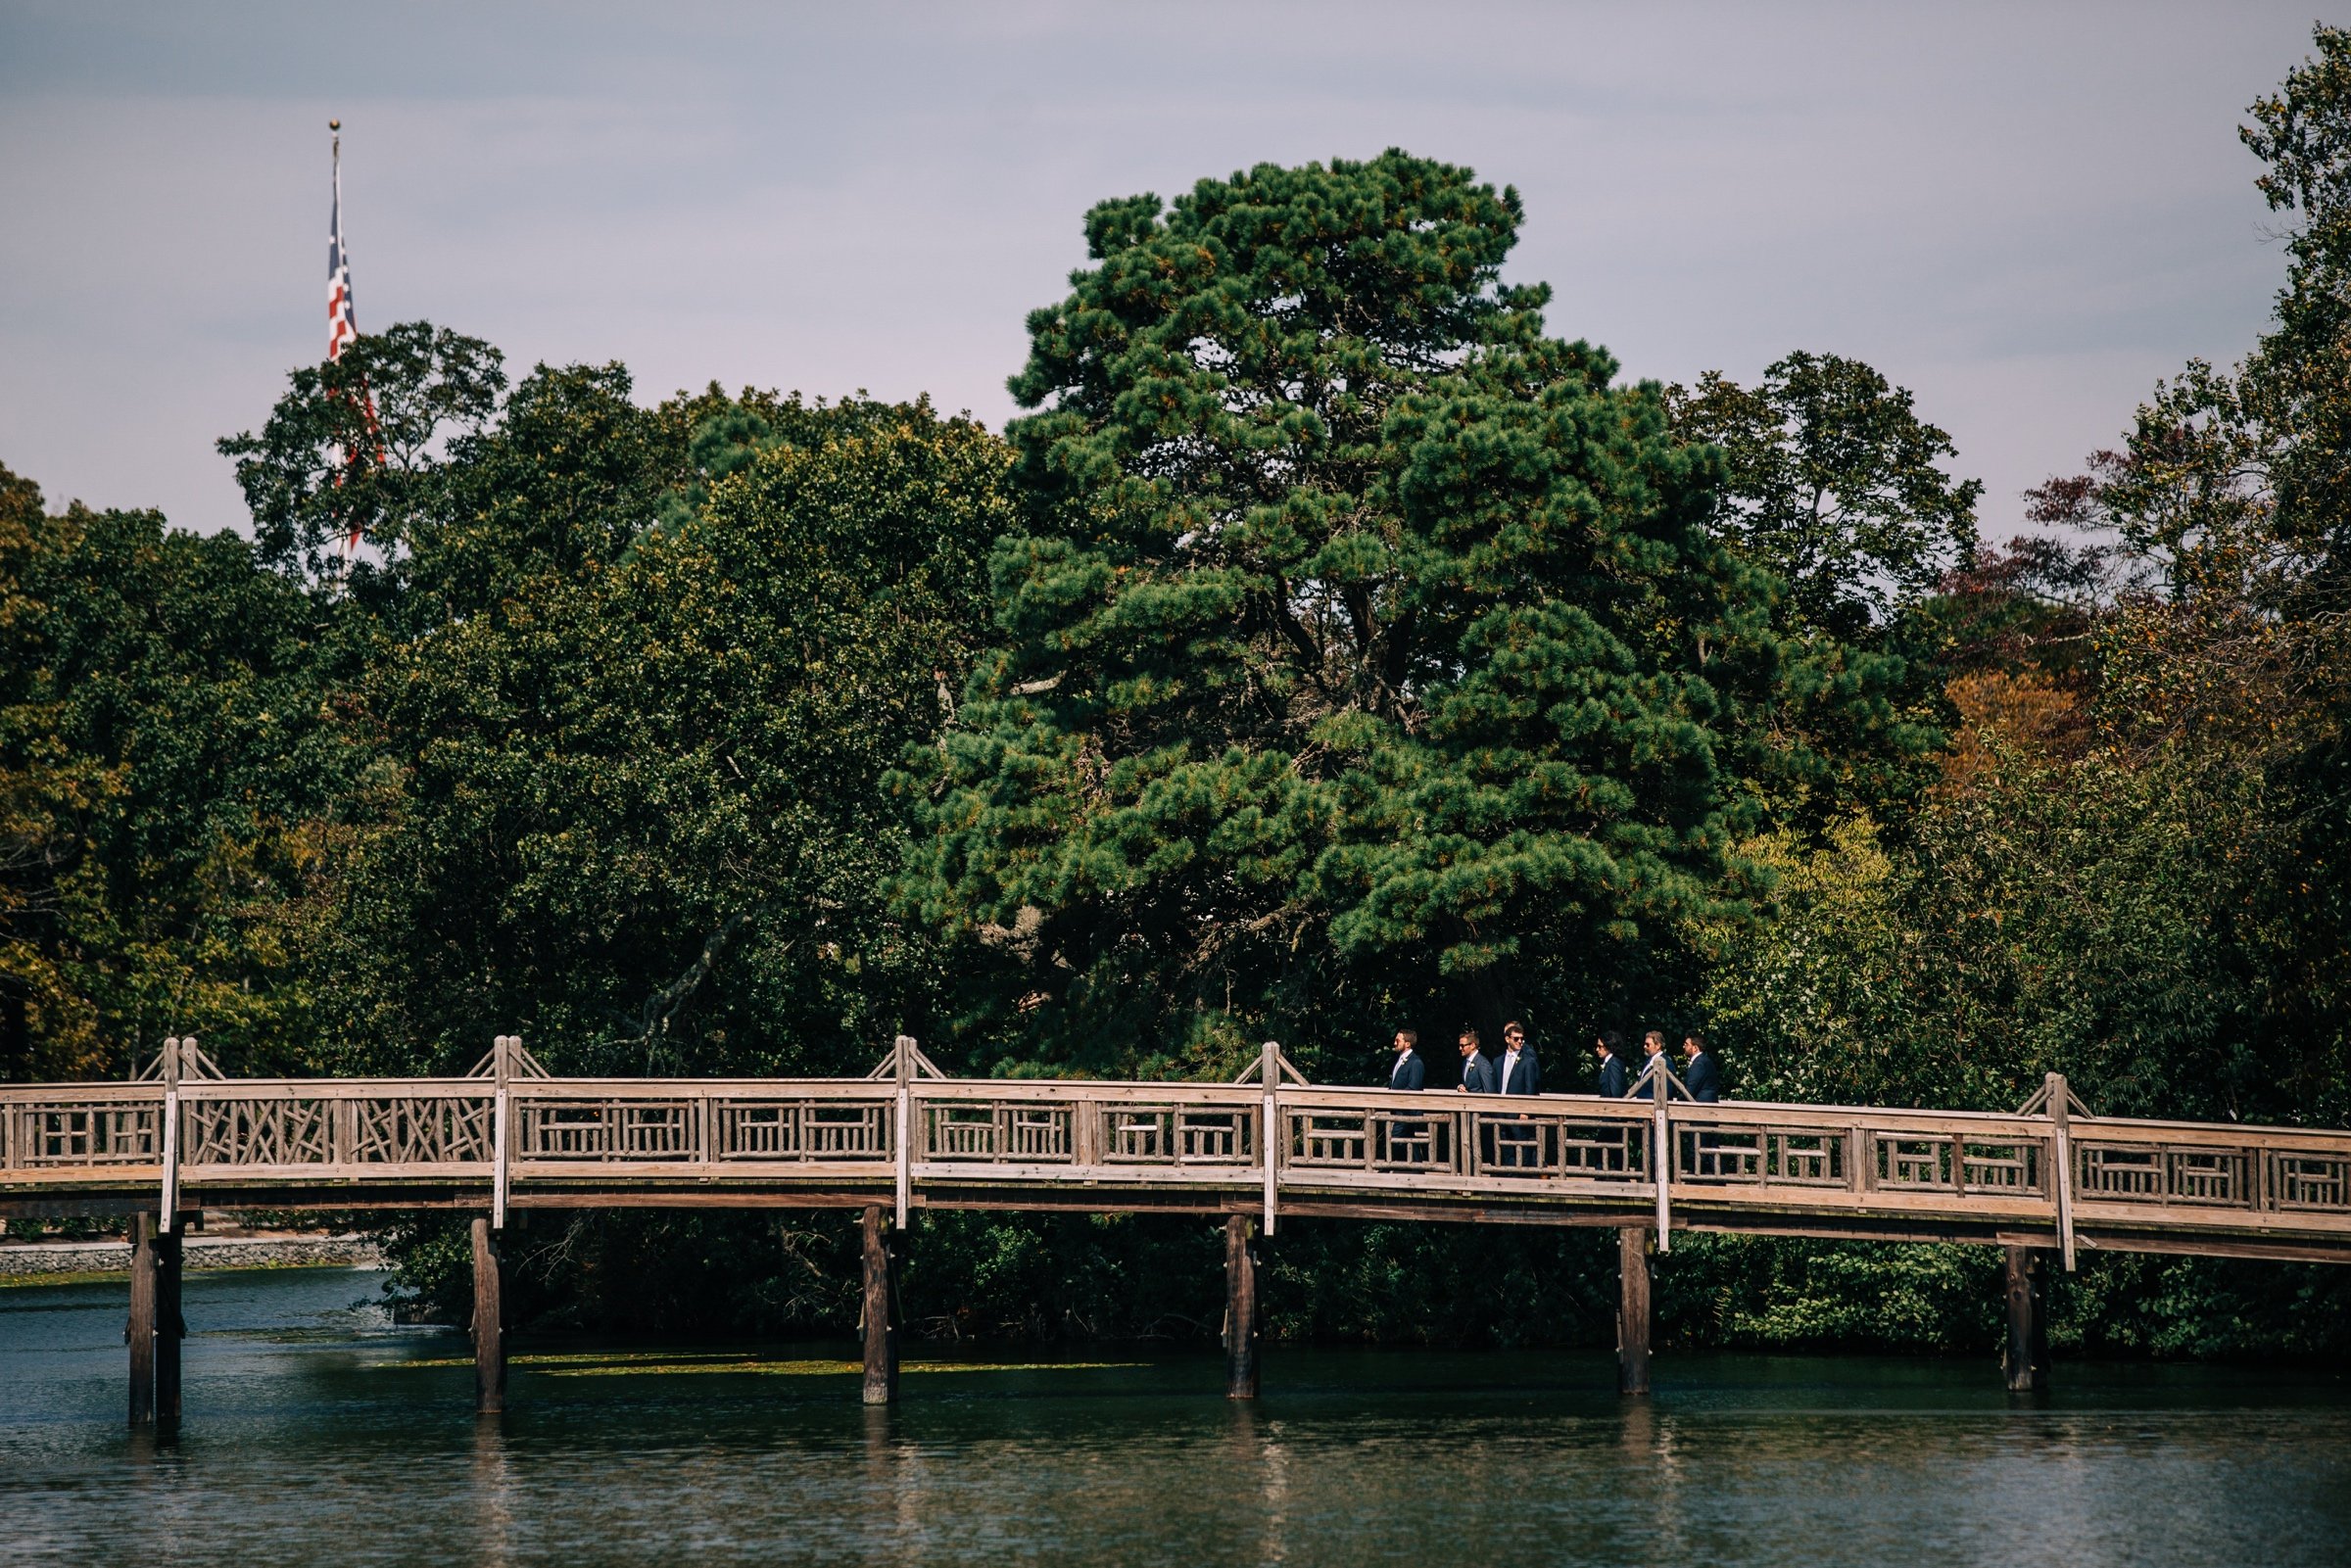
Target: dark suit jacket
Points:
(1613, 1078)
(1641, 1088)
(1704, 1077)
(1526, 1079)
(1477, 1073)
(1410, 1071)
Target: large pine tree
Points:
(1360, 641)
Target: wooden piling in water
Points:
(2025, 1358)
(1632, 1311)
(880, 1332)
(1240, 1310)
(489, 1322)
(169, 1329)
(141, 1333)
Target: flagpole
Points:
(334, 345)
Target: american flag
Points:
(342, 326)
(341, 331)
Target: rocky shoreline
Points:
(280, 1250)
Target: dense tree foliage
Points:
(1837, 485)
(354, 451)
(1363, 650)
(2131, 867)
(1330, 647)
(640, 805)
(169, 762)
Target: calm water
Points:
(317, 1433)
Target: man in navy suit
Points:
(1410, 1071)
(1518, 1072)
(1700, 1073)
(1610, 1048)
(1477, 1073)
(1653, 1060)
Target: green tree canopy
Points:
(168, 758)
(1835, 486)
(2232, 499)
(2235, 485)
(1354, 625)
(639, 805)
(354, 447)
(2293, 388)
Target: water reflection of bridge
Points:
(2044, 1183)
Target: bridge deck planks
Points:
(1752, 1167)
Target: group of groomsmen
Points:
(1517, 1071)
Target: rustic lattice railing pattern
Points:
(534, 1138)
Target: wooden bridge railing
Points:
(509, 1133)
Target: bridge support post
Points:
(2025, 1358)
(1632, 1311)
(489, 1322)
(169, 1329)
(881, 1334)
(140, 1335)
(1240, 1310)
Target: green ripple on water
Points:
(657, 1364)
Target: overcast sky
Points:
(2025, 213)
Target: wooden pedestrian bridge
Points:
(2048, 1181)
